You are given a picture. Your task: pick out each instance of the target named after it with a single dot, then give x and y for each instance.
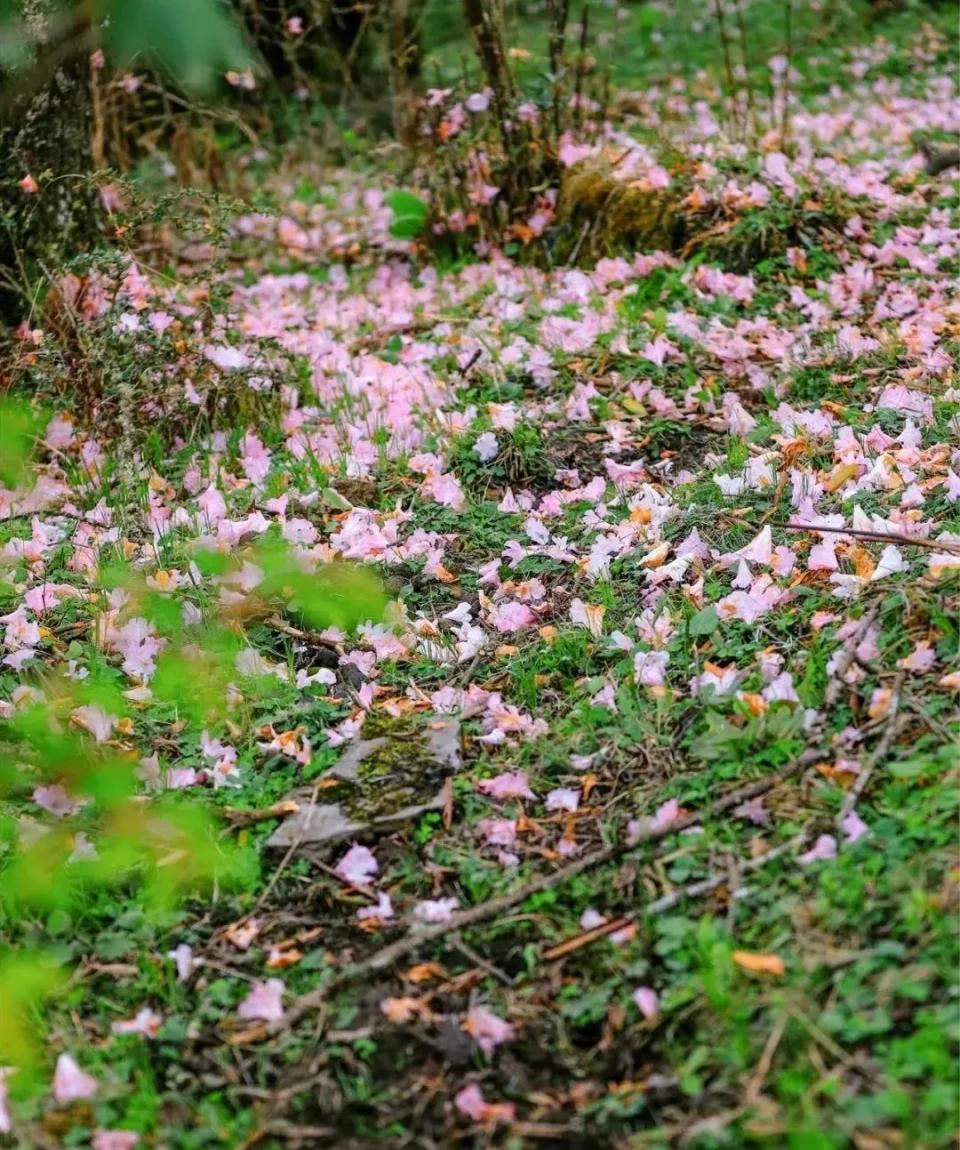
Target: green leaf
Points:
(409, 214)
(705, 622)
(194, 41)
(19, 425)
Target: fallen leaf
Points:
(760, 963)
(404, 1009)
(840, 475)
(424, 972)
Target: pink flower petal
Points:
(264, 1002)
(70, 1083)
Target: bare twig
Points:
(878, 755)
(847, 654)
(752, 1092)
(478, 960)
(669, 901)
(788, 54)
(727, 60)
(285, 861)
(946, 545)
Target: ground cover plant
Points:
(481, 606)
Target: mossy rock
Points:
(378, 782)
(599, 214)
(603, 215)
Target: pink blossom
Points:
(146, 1022)
(255, 459)
(471, 1103)
(70, 1083)
(213, 505)
(512, 616)
(264, 1002)
(853, 827)
(184, 961)
(486, 447)
(478, 101)
(6, 1123)
(650, 668)
(776, 169)
(382, 909)
(498, 832)
(920, 659)
(358, 866)
(647, 1001)
(563, 799)
(824, 848)
(509, 785)
(114, 1140)
(56, 801)
(487, 1029)
(436, 909)
(96, 721)
(666, 814)
(226, 358)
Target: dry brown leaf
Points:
(760, 963)
(242, 934)
(840, 475)
(656, 557)
(404, 1009)
(281, 959)
(424, 972)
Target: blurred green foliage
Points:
(192, 41)
(66, 743)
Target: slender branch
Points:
(877, 536)
(669, 901)
(878, 755)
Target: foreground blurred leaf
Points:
(194, 41)
(25, 981)
(19, 425)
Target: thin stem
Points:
(727, 60)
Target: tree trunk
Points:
(48, 206)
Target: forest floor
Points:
(632, 821)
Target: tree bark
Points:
(45, 126)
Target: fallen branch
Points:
(946, 545)
(403, 948)
(669, 901)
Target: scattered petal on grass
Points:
(509, 785)
(487, 1029)
(358, 866)
(647, 1001)
(70, 1082)
(264, 1002)
(471, 1103)
(146, 1022)
(823, 849)
(436, 909)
